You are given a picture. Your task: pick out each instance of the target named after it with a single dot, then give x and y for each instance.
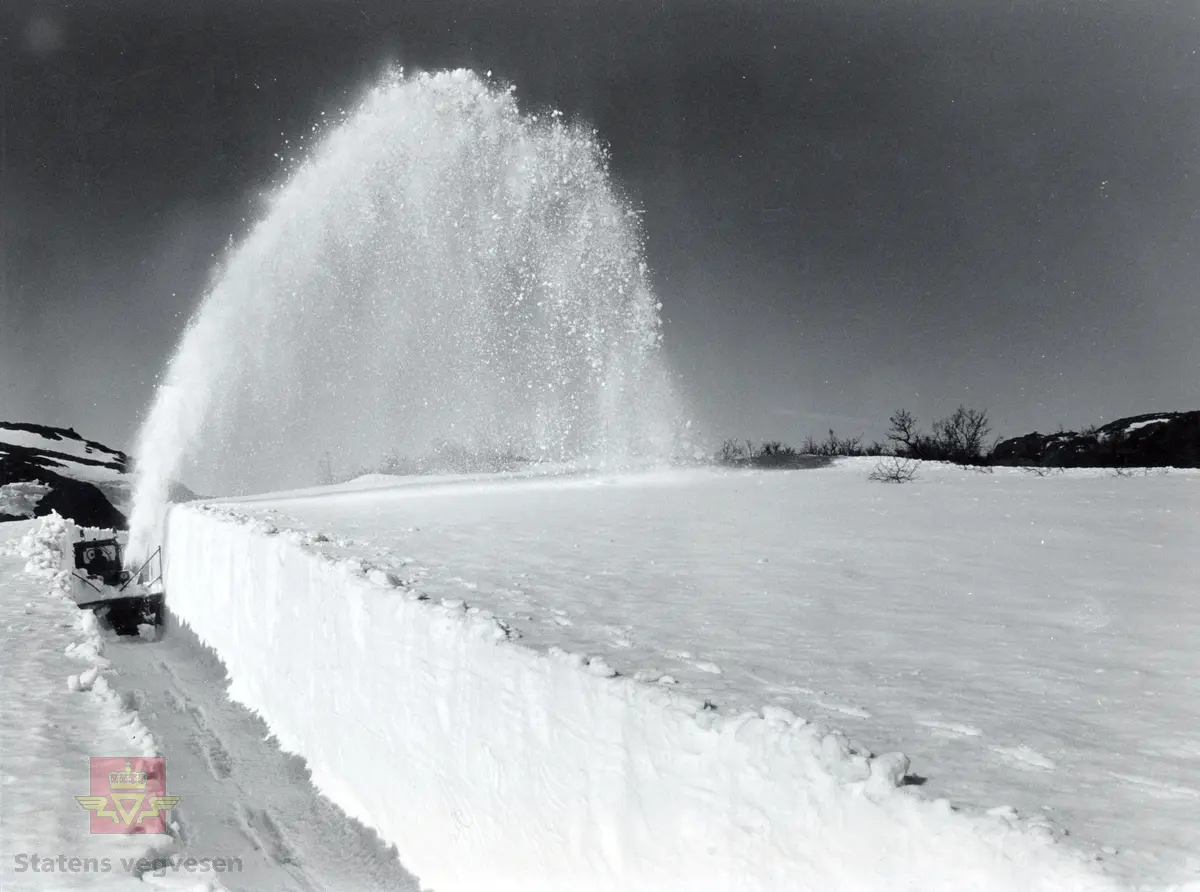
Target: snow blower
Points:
(102, 570)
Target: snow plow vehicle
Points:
(124, 600)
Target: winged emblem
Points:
(128, 795)
(156, 803)
(98, 804)
(105, 807)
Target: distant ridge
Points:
(94, 453)
(84, 477)
(1151, 440)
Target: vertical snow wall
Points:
(492, 766)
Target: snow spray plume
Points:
(441, 269)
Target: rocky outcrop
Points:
(77, 472)
(61, 446)
(1156, 439)
(79, 501)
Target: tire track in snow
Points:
(1025, 757)
(256, 824)
(204, 742)
(1158, 789)
(262, 831)
(241, 795)
(949, 729)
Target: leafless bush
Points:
(775, 449)
(833, 445)
(735, 452)
(894, 469)
(960, 438)
(903, 433)
(744, 452)
(777, 454)
(1042, 471)
(1134, 472)
(1139, 472)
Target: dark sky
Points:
(849, 206)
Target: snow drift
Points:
(490, 765)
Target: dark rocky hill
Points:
(84, 477)
(1153, 440)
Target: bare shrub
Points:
(894, 469)
(777, 454)
(960, 438)
(1043, 470)
(775, 449)
(833, 445)
(963, 436)
(903, 433)
(744, 452)
(734, 452)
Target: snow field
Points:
(1028, 641)
(493, 765)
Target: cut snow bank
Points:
(490, 765)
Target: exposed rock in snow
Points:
(1158, 439)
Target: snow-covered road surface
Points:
(1028, 641)
(48, 732)
(241, 797)
(241, 794)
